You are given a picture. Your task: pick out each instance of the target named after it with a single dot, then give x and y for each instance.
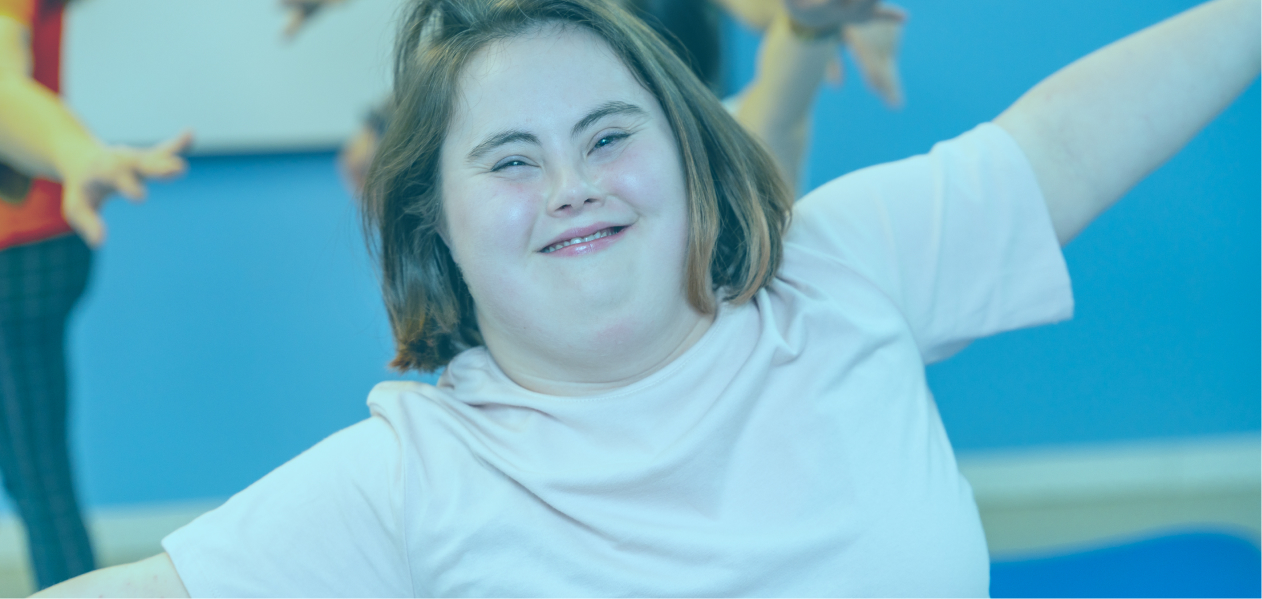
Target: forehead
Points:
(547, 74)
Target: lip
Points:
(585, 247)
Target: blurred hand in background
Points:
(301, 11)
(874, 45)
(355, 158)
(40, 137)
(830, 14)
(870, 30)
(92, 176)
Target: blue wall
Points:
(234, 320)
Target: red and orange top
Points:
(38, 215)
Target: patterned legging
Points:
(39, 284)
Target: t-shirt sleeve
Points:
(22, 11)
(325, 524)
(959, 238)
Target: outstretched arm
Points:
(152, 577)
(1100, 125)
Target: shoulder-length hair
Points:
(738, 205)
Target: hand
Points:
(829, 14)
(756, 14)
(355, 158)
(874, 45)
(89, 180)
(300, 11)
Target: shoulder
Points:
(863, 207)
(978, 147)
(387, 392)
(425, 419)
(394, 401)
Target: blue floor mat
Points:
(1182, 565)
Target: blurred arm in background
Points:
(872, 42)
(41, 138)
(800, 43)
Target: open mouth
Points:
(593, 237)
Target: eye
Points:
(511, 162)
(610, 139)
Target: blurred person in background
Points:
(799, 50)
(54, 177)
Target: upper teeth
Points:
(594, 236)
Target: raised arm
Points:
(1100, 125)
(39, 137)
(152, 577)
(776, 103)
(800, 41)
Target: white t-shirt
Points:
(794, 450)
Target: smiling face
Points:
(566, 210)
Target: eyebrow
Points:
(604, 110)
(499, 139)
(517, 135)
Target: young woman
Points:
(662, 377)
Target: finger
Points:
(81, 217)
(178, 144)
(161, 165)
(875, 49)
(888, 85)
(129, 186)
(297, 17)
(880, 72)
(164, 159)
(873, 42)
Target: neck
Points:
(605, 361)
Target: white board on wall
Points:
(140, 71)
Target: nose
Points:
(572, 191)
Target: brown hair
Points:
(738, 205)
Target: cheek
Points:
(487, 222)
(652, 180)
